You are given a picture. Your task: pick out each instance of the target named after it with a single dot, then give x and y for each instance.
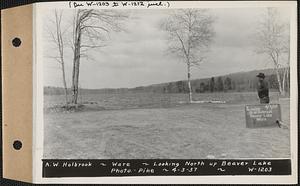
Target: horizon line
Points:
(162, 82)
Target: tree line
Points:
(238, 82)
(221, 84)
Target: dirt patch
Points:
(69, 108)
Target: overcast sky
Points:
(138, 56)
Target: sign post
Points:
(263, 115)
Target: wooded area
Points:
(237, 82)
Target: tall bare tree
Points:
(273, 40)
(56, 36)
(91, 29)
(190, 32)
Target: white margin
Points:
(38, 100)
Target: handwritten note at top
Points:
(119, 4)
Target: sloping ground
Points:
(185, 132)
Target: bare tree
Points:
(273, 40)
(56, 36)
(91, 29)
(286, 69)
(190, 32)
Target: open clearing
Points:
(183, 132)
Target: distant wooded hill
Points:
(236, 82)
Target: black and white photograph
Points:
(167, 83)
(150, 92)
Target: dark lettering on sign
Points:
(264, 115)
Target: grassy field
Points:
(171, 130)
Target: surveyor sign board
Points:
(263, 115)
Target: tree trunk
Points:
(189, 83)
(64, 82)
(76, 63)
(283, 80)
(63, 68)
(279, 82)
(75, 79)
(288, 80)
(288, 73)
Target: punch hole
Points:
(16, 42)
(17, 145)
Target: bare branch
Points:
(272, 39)
(189, 32)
